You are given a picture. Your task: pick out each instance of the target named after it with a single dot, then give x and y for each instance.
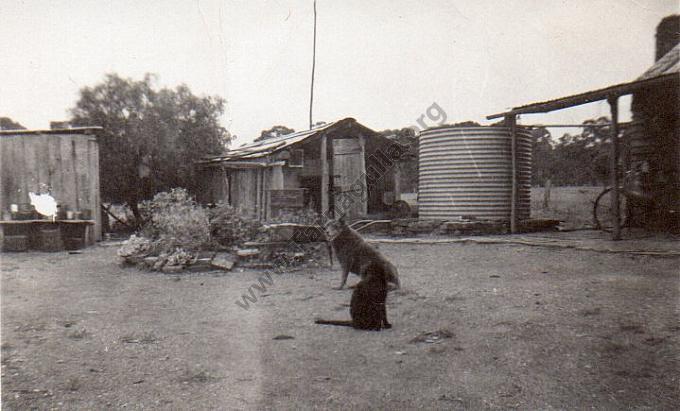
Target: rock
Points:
(158, 265)
(223, 261)
(201, 264)
(172, 269)
(257, 265)
(283, 337)
(150, 261)
(247, 252)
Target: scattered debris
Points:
(283, 337)
(78, 334)
(197, 376)
(247, 252)
(433, 337)
(322, 378)
(224, 261)
(172, 269)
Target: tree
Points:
(7, 123)
(151, 138)
(275, 131)
(543, 157)
(409, 160)
(581, 159)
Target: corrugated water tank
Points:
(466, 172)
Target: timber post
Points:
(614, 166)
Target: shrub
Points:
(135, 246)
(229, 227)
(176, 221)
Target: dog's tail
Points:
(334, 322)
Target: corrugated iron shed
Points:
(269, 146)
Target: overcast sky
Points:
(381, 62)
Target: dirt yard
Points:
(476, 326)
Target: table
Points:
(32, 229)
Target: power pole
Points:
(311, 94)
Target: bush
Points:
(135, 246)
(177, 229)
(229, 227)
(176, 221)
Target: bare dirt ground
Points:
(510, 327)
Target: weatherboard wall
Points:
(67, 163)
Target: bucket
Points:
(50, 239)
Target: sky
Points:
(382, 62)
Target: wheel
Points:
(603, 214)
(401, 209)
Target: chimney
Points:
(59, 125)
(667, 35)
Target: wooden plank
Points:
(84, 172)
(42, 153)
(6, 172)
(57, 166)
(287, 198)
(589, 96)
(68, 173)
(347, 159)
(324, 177)
(93, 180)
(614, 166)
(362, 176)
(28, 169)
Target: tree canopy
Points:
(151, 137)
(275, 131)
(7, 123)
(581, 159)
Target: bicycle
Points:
(635, 204)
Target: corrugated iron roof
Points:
(269, 146)
(668, 64)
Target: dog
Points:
(367, 307)
(355, 254)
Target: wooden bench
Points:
(22, 235)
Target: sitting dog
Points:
(367, 306)
(355, 254)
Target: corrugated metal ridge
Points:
(268, 146)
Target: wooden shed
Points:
(63, 161)
(340, 168)
(652, 145)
